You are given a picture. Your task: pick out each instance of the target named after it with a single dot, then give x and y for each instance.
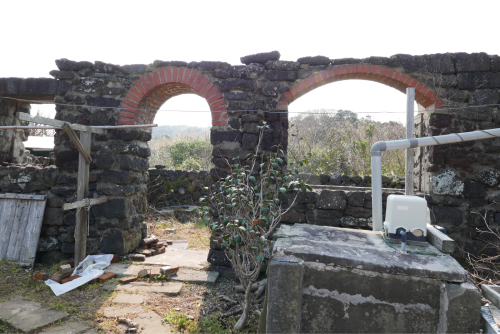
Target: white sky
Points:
(35, 33)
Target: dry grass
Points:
(86, 304)
(196, 233)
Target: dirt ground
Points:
(197, 309)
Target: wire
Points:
(256, 110)
(382, 234)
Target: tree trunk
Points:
(242, 322)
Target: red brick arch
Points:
(387, 76)
(149, 93)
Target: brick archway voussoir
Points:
(384, 75)
(149, 92)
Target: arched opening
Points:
(346, 137)
(151, 91)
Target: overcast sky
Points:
(35, 33)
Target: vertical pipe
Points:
(376, 192)
(410, 126)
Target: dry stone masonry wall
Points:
(461, 179)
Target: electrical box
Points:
(408, 213)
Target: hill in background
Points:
(172, 130)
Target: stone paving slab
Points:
(180, 258)
(150, 323)
(110, 312)
(195, 276)
(124, 270)
(168, 288)
(68, 328)
(28, 316)
(128, 298)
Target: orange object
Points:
(104, 277)
(115, 259)
(129, 279)
(68, 279)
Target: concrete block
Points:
(285, 297)
(460, 310)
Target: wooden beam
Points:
(440, 240)
(79, 146)
(82, 192)
(54, 122)
(24, 196)
(84, 203)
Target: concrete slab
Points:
(168, 288)
(127, 298)
(150, 323)
(123, 269)
(364, 250)
(68, 328)
(180, 257)
(28, 316)
(110, 312)
(195, 276)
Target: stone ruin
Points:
(459, 179)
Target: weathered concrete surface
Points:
(460, 310)
(284, 284)
(365, 250)
(123, 269)
(110, 312)
(69, 327)
(152, 324)
(492, 293)
(352, 281)
(168, 288)
(128, 298)
(183, 275)
(180, 257)
(28, 316)
(195, 276)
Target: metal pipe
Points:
(379, 147)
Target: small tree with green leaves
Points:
(244, 208)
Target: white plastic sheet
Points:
(91, 267)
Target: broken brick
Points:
(69, 279)
(154, 272)
(115, 259)
(145, 252)
(42, 276)
(161, 250)
(104, 277)
(58, 277)
(143, 246)
(169, 270)
(137, 257)
(169, 242)
(65, 268)
(71, 262)
(159, 245)
(129, 279)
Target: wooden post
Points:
(82, 192)
(410, 126)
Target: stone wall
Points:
(11, 140)
(180, 187)
(239, 96)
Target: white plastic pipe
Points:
(379, 147)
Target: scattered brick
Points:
(153, 251)
(71, 262)
(154, 272)
(104, 277)
(161, 250)
(137, 257)
(126, 280)
(42, 276)
(115, 259)
(58, 277)
(143, 246)
(168, 270)
(69, 279)
(169, 242)
(65, 268)
(146, 252)
(159, 245)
